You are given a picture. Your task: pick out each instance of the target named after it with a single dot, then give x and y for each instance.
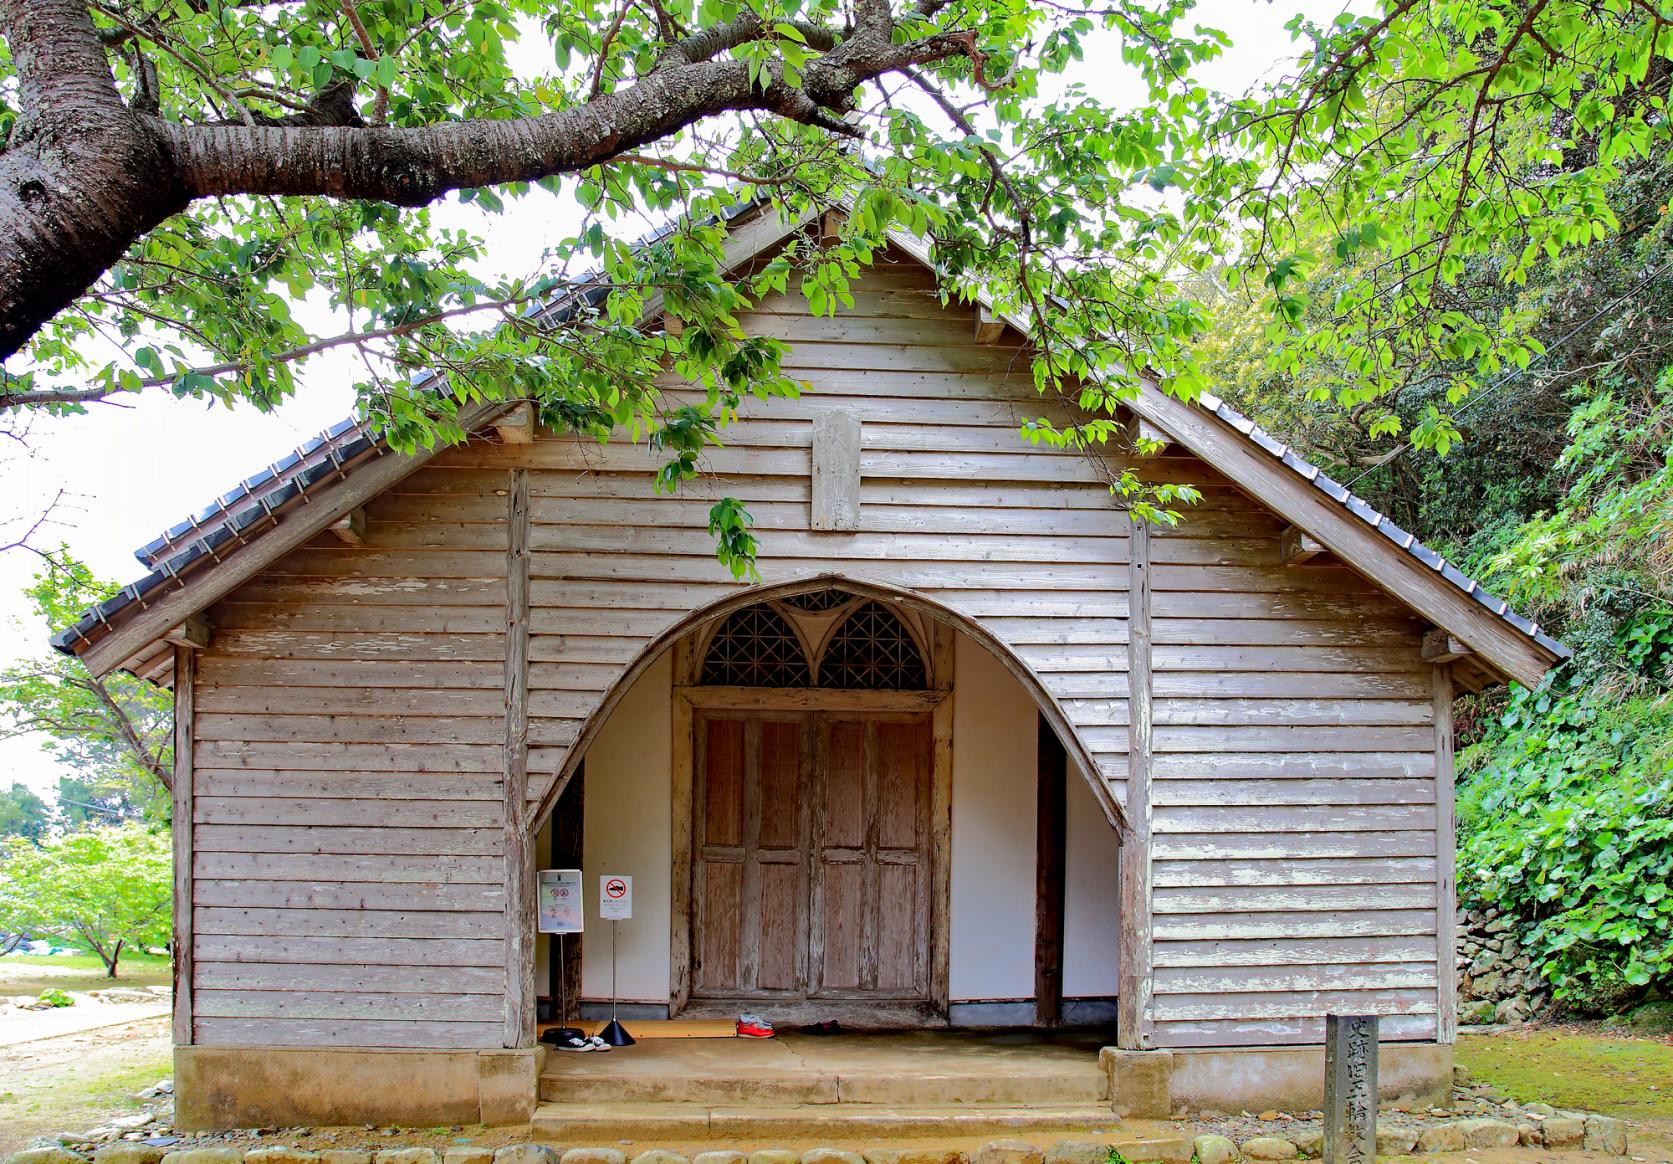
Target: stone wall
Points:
(1497, 980)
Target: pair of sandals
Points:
(570, 1039)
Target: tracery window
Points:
(872, 649)
(757, 647)
(825, 638)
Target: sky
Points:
(123, 474)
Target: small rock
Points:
(1605, 1135)
(1511, 1010)
(204, 1156)
(537, 1154)
(1072, 1152)
(720, 1156)
(763, 1156)
(1541, 1110)
(467, 1154)
(59, 1155)
(280, 1154)
(1214, 1149)
(1488, 1134)
(1005, 1152)
(407, 1156)
(1441, 1138)
(1267, 1115)
(1527, 1135)
(907, 1156)
(1310, 1142)
(816, 1156)
(1270, 1148)
(128, 1153)
(1395, 1141)
(595, 1156)
(1563, 1132)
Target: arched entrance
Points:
(800, 828)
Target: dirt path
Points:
(74, 1082)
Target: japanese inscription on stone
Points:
(1350, 1089)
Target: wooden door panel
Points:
(838, 955)
(900, 928)
(720, 894)
(723, 788)
(751, 879)
(842, 766)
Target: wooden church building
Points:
(977, 751)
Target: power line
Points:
(1511, 373)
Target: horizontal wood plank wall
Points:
(953, 504)
(347, 845)
(1294, 793)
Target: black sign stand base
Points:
(614, 1033)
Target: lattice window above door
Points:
(756, 647)
(873, 650)
(819, 601)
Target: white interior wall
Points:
(991, 938)
(1091, 926)
(628, 830)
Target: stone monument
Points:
(1350, 1089)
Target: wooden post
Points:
(185, 679)
(1350, 1089)
(1051, 769)
(1446, 866)
(1134, 1027)
(563, 974)
(519, 845)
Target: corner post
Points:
(1135, 1026)
(519, 846)
(185, 679)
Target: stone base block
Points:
(245, 1087)
(1154, 1084)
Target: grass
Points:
(1576, 1067)
(25, 974)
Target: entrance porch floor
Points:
(846, 1087)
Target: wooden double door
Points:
(812, 856)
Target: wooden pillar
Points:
(1446, 861)
(1050, 873)
(1134, 1023)
(185, 680)
(519, 845)
(563, 977)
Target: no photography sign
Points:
(615, 897)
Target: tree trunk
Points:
(115, 955)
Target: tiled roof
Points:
(1372, 517)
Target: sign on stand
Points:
(559, 901)
(615, 904)
(615, 897)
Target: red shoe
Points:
(754, 1028)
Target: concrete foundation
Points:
(1154, 1084)
(244, 1087)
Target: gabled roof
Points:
(191, 564)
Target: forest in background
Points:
(1558, 496)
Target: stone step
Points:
(576, 1124)
(1054, 1085)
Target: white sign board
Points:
(559, 901)
(615, 897)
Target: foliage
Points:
(23, 814)
(52, 996)
(1355, 203)
(115, 732)
(102, 887)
